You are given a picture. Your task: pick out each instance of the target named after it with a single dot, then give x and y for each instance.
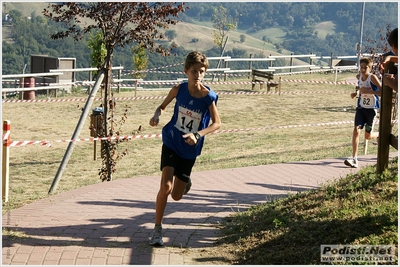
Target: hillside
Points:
(188, 31)
(185, 31)
(6, 31)
(26, 9)
(268, 28)
(325, 28)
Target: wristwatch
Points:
(197, 136)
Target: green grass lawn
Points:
(360, 209)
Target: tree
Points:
(242, 38)
(15, 14)
(223, 23)
(98, 48)
(120, 23)
(170, 34)
(140, 59)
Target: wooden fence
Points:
(18, 78)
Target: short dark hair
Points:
(196, 57)
(392, 39)
(368, 61)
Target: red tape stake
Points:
(6, 133)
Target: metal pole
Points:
(77, 132)
(359, 46)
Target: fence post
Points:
(21, 85)
(250, 65)
(226, 66)
(385, 118)
(6, 160)
(291, 62)
(136, 85)
(90, 79)
(119, 78)
(270, 63)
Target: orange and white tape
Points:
(25, 143)
(162, 97)
(205, 82)
(319, 82)
(146, 136)
(81, 99)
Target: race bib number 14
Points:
(188, 121)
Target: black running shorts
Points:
(364, 116)
(182, 167)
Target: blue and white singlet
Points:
(190, 115)
(368, 101)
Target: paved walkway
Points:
(110, 223)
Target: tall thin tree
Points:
(120, 23)
(223, 23)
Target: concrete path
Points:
(111, 223)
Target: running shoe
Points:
(156, 239)
(188, 186)
(351, 162)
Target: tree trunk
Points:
(109, 133)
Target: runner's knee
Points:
(165, 188)
(176, 196)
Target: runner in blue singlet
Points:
(183, 135)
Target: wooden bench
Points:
(265, 77)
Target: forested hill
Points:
(321, 28)
(298, 20)
(256, 16)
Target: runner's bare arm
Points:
(171, 95)
(216, 121)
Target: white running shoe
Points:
(156, 239)
(351, 162)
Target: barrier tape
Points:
(322, 69)
(146, 136)
(162, 97)
(320, 82)
(162, 67)
(249, 72)
(25, 143)
(205, 82)
(131, 137)
(286, 126)
(81, 99)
